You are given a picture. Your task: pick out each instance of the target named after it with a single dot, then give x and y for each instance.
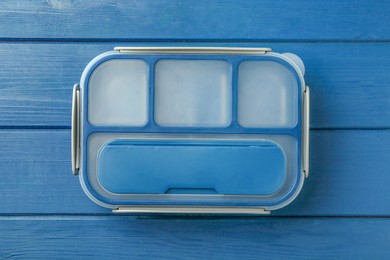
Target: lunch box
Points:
(191, 130)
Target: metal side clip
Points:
(194, 50)
(76, 129)
(191, 210)
(306, 131)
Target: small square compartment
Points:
(267, 95)
(118, 93)
(193, 93)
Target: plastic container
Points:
(191, 130)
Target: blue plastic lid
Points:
(193, 128)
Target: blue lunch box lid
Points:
(191, 129)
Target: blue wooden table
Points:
(344, 208)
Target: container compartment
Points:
(121, 100)
(192, 167)
(267, 95)
(193, 93)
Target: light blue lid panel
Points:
(192, 167)
(121, 100)
(267, 95)
(193, 93)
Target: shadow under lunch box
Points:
(191, 130)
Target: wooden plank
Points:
(195, 19)
(349, 175)
(193, 238)
(349, 82)
(36, 177)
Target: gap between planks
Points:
(22, 217)
(182, 40)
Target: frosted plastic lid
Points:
(204, 129)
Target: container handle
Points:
(76, 129)
(166, 209)
(306, 131)
(194, 50)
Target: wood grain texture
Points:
(193, 238)
(349, 175)
(349, 86)
(45, 45)
(195, 20)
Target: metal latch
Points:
(76, 129)
(191, 210)
(194, 50)
(306, 131)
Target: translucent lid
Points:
(186, 129)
